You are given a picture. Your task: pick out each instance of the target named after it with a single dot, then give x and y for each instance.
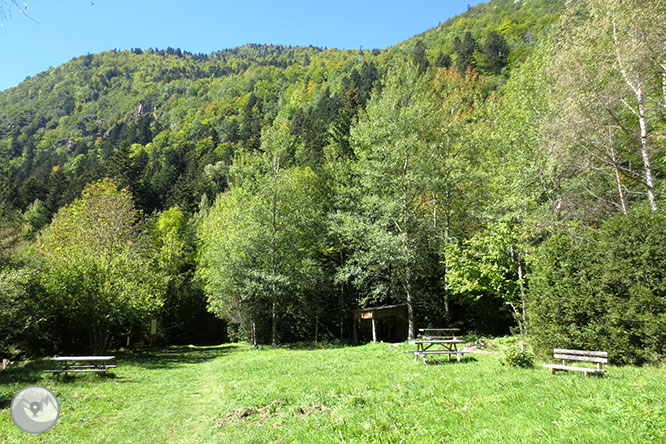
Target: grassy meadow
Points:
(374, 393)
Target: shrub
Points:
(603, 290)
(23, 313)
(517, 356)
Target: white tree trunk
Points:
(612, 154)
(645, 154)
(637, 87)
(410, 311)
(411, 333)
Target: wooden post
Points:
(374, 329)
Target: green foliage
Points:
(602, 290)
(486, 266)
(608, 104)
(495, 51)
(260, 243)
(465, 50)
(155, 120)
(391, 142)
(524, 25)
(98, 269)
(345, 178)
(517, 356)
(36, 216)
(443, 60)
(169, 236)
(419, 57)
(173, 239)
(24, 325)
(72, 124)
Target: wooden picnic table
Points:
(448, 347)
(81, 364)
(425, 330)
(439, 333)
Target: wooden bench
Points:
(596, 357)
(72, 364)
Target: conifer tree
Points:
(495, 52)
(465, 50)
(419, 57)
(443, 60)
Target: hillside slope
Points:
(169, 121)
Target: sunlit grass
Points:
(372, 393)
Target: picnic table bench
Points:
(81, 364)
(597, 357)
(424, 347)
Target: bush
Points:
(517, 356)
(23, 312)
(603, 290)
(99, 274)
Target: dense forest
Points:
(502, 171)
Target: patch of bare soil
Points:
(308, 410)
(260, 413)
(265, 411)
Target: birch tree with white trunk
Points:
(608, 77)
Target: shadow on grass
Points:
(92, 378)
(160, 358)
(28, 374)
(33, 374)
(165, 358)
(175, 357)
(444, 361)
(319, 345)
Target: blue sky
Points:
(66, 29)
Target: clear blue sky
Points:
(66, 29)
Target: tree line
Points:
(483, 188)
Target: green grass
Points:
(368, 394)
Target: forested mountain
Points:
(88, 117)
(280, 188)
(161, 115)
(520, 22)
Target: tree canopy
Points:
(100, 272)
(488, 173)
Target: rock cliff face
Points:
(143, 108)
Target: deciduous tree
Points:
(99, 271)
(385, 222)
(261, 238)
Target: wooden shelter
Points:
(391, 320)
